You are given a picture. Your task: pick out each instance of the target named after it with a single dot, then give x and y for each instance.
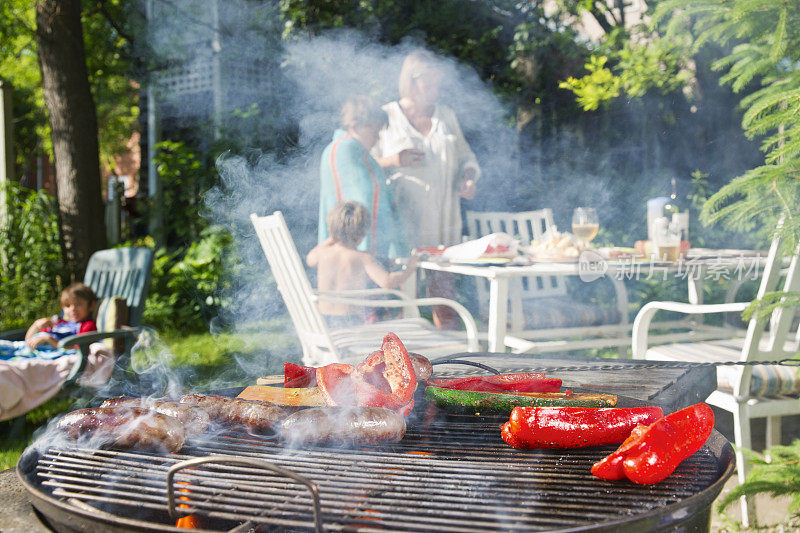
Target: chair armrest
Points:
(641, 324)
(366, 292)
(84, 340)
(463, 313)
(13, 335)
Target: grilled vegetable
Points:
(528, 382)
(491, 402)
(574, 427)
(296, 376)
(653, 452)
(385, 379)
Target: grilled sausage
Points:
(355, 425)
(422, 366)
(258, 416)
(125, 427)
(194, 419)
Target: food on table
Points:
(351, 425)
(257, 416)
(574, 427)
(493, 402)
(619, 252)
(555, 245)
(194, 419)
(523, 382)
(125, 427)
(653, 452)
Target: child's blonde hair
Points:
(79, 291)
(348, 222)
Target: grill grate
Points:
(453, 474)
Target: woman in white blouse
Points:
(430, 165)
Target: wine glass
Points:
(585, 224)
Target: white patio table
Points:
(700, 265)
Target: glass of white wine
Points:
(585, 224)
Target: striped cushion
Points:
(545, 313)
(418, 335)
(768, 380)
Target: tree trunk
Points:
(73, 125)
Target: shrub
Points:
(30, 257)
(187, 283)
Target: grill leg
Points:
(741, 430)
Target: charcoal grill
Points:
(448, 474)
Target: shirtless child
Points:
(340, 267)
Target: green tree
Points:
(764, 41)
(73, 130)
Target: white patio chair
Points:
(541, 314)
(766, 391)
(322, 345)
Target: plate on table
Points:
(482, 261)
(711, 253)
(556, 258)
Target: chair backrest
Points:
(123, 272)
(526, 226)
(294, 286)
(766, 337)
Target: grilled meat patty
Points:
(258, 416)
(194, 419)
(125, 427)
(352, 425)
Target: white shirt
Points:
(427, 195)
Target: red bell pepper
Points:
(574, 427)
(298, 376)
(526, 382)
(653, 452)
(385, 379)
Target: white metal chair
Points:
(764, 391)
(322, 345)
(541, 314)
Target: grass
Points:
(194, 362)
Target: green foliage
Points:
(631, 68)
(187, 284)
(765, 36)
(108, 61)
(778, 475)
(30, 257)
(514, 45)
(184, 178)
(597, 87)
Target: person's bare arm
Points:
(30, 336)
(37, 326)
(312, 258)
(384, 279)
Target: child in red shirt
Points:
(77, 304)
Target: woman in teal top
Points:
(349, 172)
